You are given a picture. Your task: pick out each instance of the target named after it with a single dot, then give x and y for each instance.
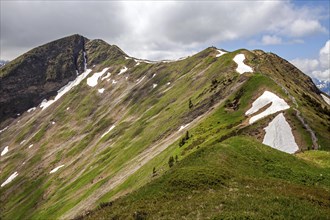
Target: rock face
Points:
(40, 73)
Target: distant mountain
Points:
(3, 62)
(217, 135)
(324, 86)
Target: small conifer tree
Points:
(187, 135)
(171, 161)
(190, 104)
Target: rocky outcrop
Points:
(39, 74)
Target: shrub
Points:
(171, 161)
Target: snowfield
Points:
(277, 104)
(123, 70)
(279, 135)
(220, 53)
(106, 76)
(2, 130)
(241, 67)
(65, 89)
(92, 81)
(31, 109)
(183, 127)
(5, 150)
(105, 133)
(326, 99)
(56, 169)
(12, 176)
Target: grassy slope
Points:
(91, 114)
(220, 181)
(89, 121)
(218, 125)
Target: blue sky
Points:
(295, 30)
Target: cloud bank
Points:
(316, 68)
(154, 30)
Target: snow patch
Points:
(123, 70)
(183, 127)
(101, 90)
(68, 108)
(92, 81)
(2, 130)
(154, 85)
(241, 67)
(220, 53)
(277, 104)
(106, 76)
(279, 135)
(22, 142)
(65, 89)
(31, 145)
(5, 150)
(154, 75)
(53, 122)
(31, 109)
(56, 169)
(12, 176)
(169, 83)
(114, 81)
(105, 133)
(326, 99)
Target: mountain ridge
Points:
(116, 129)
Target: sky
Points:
(295, 30)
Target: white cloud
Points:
(300, 27)
(325, 55)
(154, 30)
(322, 75)
(316, 68)
(271, 40)
(306, 65)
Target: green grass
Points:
(39, 135)
(147, 115)
(220, 181)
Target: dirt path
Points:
(137, 162)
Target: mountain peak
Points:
(126, 122)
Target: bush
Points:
(171, 161)
(140, 215)
(190, 104)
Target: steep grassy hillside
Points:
(112, 134)
(237, 178)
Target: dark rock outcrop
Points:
(39, 74)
